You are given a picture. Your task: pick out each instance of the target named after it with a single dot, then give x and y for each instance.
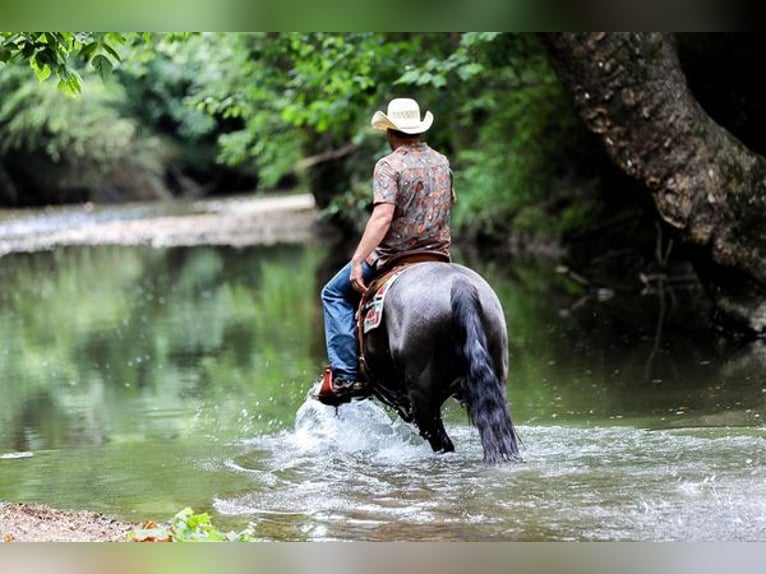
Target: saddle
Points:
(370, 310)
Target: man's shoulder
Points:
(403, 156)
(391, 159)
(440, 155)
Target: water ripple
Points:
(357, 473)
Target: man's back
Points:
(418, 180)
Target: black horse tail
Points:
(481, 387)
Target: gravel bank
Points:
(38, 523)
(237, 221)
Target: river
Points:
(141, 379)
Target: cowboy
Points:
(412, 196)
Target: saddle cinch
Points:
(370, 310)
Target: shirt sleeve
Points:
(385, 183)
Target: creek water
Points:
(137, 381)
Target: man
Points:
(412, 196)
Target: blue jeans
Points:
(339, 301)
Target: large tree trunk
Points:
(629, 88)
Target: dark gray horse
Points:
(443, 335)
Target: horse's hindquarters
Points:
(443, 323)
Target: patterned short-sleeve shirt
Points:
(418, 180)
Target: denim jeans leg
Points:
(339, 306)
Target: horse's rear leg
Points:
(431, 427)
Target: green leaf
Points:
(409, 77)
(87, 51)
(70, 85)
(197, 520)
(112, 52)
(115, 37)
(467, 71)
(102, 65)
(439, 81)
(43, 72)
(470, 38)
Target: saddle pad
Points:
(372, 311)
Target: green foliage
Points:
(33, 117)
(514, 173)
(269, 100)
(460, 63)
(159, 79)
(507, 175)
(509, 130)
(50, 53)
(186, 526)
(73, 148)
(285, 90)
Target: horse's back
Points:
(430, 284)
(419, 312)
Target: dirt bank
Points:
(37, 523)
(237, 221)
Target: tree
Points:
(48, 53)
(302, 99)
(708, 187)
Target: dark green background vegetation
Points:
(180, 115)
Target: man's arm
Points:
(374, 232)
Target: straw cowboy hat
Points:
(403, 114)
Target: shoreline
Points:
(22, 522)
(236, 221)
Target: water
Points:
(137, 381)
(357, 476)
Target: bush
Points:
(55, 148)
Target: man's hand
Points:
(357, 277)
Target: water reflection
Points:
(144, 380)
(644, 359)
(93, 336)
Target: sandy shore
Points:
(237, 221)
(38, 523)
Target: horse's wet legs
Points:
(431, 428)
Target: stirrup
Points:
(332, 395)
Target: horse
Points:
(443, 334)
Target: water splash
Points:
(356, 461)
(359, 428)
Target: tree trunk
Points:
(630, 90)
